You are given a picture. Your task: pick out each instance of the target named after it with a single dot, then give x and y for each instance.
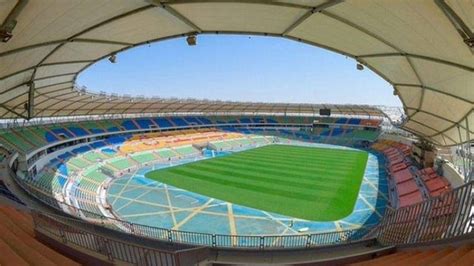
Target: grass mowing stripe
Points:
(290, 163)
(289, 166)
(249, 183)
(283, 174)
(324, 190)
(262, 177)
(262, 190)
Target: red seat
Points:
(398, 167)
(402, 176)
(407, 187)
(410, 199)
(435, 184)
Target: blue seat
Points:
(49, 137)
(62, 169)
(129, 125)
(96, 130)
(81, 149)
(337, 131)
(354, 121)
(162, 122)
(245, 120)
(192, 120)
(144, 123)
(63, 131)
(79, 132)
(98, 144)
(341, 120)
(65, 156)
(117, 139)
(178, 121)
(61, 180)
(272, 121)
(205, 121)
(113, 129)
(258, 120)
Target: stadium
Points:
(104, 179)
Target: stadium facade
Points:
(106, 179)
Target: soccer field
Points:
(318, 184)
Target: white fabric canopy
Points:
(422, 47)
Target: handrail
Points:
(114, 250)
(443, 217)
(447, 216)
(203, 239)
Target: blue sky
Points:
(242, 68)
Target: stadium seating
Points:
(456, 256)
(145, 123)
(179, 122)
(144, 157)
(162, 122)
(435, 184)
(77, 131)
(30, 138)
(408, 180)
(129, 125)
(18, 244)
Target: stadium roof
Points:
(423, 48)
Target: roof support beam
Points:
(56, 76)
(13, 111)
(437, 116)
(37, 45)
(10, 21)
(466, 34)
(436, 60)
(419, 123)
(31, 100)
(179, 16)
(454, 125)
(434, 90)
(310, 12)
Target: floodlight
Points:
(191, 40)
(113, 58)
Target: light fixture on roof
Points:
(191, 40)
(360, 66)
(5, 34)
(113, 58)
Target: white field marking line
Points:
(278, 239)
(230, 216)
(169, 205)
(371, 207)
(190, 216)
(376, 189)
(144, 202)
(130, 201)
(187, 197)
(353, 225)
(362, 210)
(278, 221)
(175, 208)
(148, 213)
(121, 191)
(155, 185)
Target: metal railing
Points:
(447, 216)
(203, 239)
(107, 248)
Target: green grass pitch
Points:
(318, 184)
